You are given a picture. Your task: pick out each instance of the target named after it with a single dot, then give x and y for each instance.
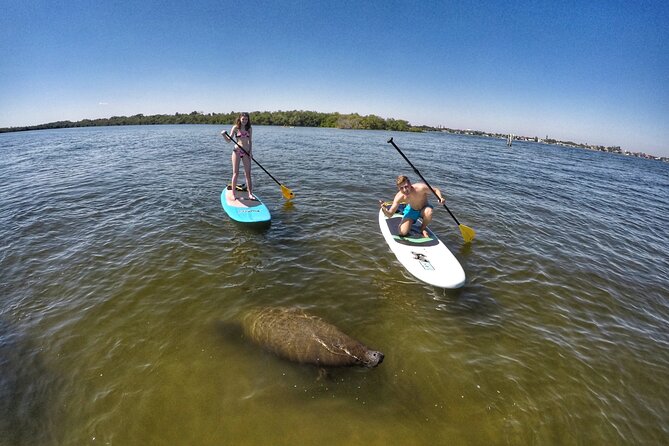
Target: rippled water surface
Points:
(120, 275)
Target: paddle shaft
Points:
(422, 178)
(253, 159)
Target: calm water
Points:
(118, 268)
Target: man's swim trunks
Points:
(413, 214)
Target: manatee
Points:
(297, 336)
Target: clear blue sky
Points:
(587, 71)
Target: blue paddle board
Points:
(244, 209)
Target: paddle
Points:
(467, 233)
(287, 193)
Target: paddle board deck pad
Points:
(426, 258)
(244, 209)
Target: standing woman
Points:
(242, 132)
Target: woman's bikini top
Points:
(242, 134)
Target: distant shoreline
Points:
(299, 118)
(554, 142)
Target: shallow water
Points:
(118, 269)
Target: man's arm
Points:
(426, 190)
(440, 197)
(390, 212)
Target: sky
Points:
(594, 72)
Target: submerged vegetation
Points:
(295, 118)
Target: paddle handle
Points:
(390, 141)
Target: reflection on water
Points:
(28, 391)
(118, 268)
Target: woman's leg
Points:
(235, 172)
(247, 174)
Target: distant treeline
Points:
(295, 118)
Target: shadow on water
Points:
(228, 331)
(473, 303)
(27, 391)
(255, 228)
(288, 206)
(465, 250)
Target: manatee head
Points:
(372, 358)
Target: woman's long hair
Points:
(238, 122)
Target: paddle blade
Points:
(287, 193)
(467, 233)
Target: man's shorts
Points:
(412, 214)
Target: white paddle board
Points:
(426, 258)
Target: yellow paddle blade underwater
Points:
(467, 233)
(287, 193)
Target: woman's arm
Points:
(233, 130)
